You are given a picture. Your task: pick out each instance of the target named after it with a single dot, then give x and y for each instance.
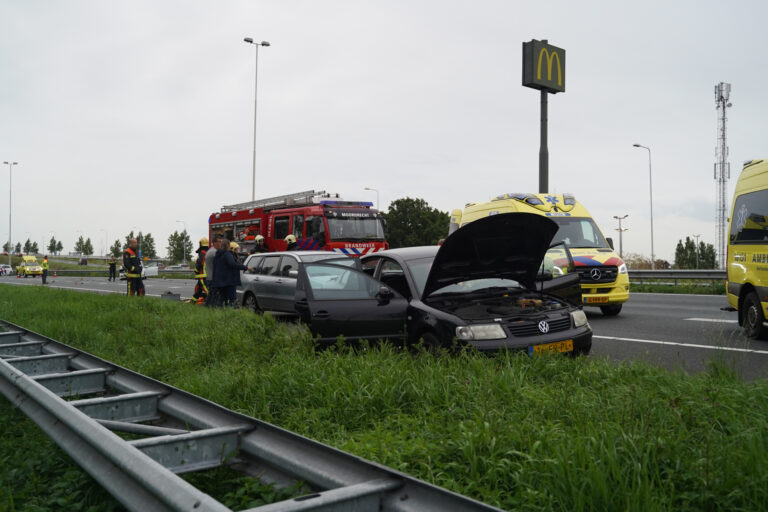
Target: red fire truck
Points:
(318, 220)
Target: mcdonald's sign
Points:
(543, 66)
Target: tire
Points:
(430, 342)
(753, 318)
(250, 302)
(612, 310)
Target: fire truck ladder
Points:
(80, 401)
(296, 199)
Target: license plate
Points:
(552, 348)
(595, 300)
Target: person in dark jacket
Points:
(201, 290)
(132, 264)
(226, 274)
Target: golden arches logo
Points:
(550, 59)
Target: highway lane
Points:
(153, 287)
(678, 332)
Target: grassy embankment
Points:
(550, 433)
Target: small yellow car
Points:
(29, 267)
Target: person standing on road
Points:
(132, 264)
(112, 268)
(292, 244)
(201, 290)
(259, 247)
(45, 267)
(226, 274)
(212, 299)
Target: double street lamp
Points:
(255, 100)
(10, 185)
(650, 182)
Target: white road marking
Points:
(712, 320)
(687, 345)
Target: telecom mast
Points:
(722, 169)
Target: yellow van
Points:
(604, 278)
(748, 249)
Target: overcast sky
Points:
(139, 114)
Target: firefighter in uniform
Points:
(201, 290)
(132, 265)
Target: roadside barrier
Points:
(80, 400)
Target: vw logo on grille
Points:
(595, 274)
(543, 327)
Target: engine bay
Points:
(501, 306)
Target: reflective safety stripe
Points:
(132, 275)
(200, 276)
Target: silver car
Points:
(269, 284)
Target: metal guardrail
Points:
(79, 400)
(677, 275)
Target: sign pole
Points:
(543, 149)
(543, 69)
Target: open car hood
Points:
(507, 245)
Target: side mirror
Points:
(610, 242)
(384, 295)
(293, 273)
(544, 275)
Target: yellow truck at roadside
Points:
(604, 277)
(747, 260)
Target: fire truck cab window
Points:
(355, 228)
(316, 229)
(298, 226)
(282, 227)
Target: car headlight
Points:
(623, 268)
(579, 318)
(480, 332)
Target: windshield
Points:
(420, 271)
(355, 229)
(579, 233)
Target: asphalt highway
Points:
(679, 332)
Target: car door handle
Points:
(322, 314)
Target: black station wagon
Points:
(493, 284)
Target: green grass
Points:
(550, 433)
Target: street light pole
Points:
(183, 250)
(621, 233)
(10, 186)
(697, 249)
(377, 195)
(650, 184)
(255, 104)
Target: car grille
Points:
(603, 274)
(531, 328)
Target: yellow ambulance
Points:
(604, 278)
(748, 249)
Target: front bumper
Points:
(582, 341)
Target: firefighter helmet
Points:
(259, 238)
(234, 246)
(290, 239)
(204, 242)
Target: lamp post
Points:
(105, 246)
(650, 183)
(377, 195)
(183, 250)
(255, 103)
(697, 249)
(621, 232)
(10, 186)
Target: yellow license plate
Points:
(552, 348)
(595, 300)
